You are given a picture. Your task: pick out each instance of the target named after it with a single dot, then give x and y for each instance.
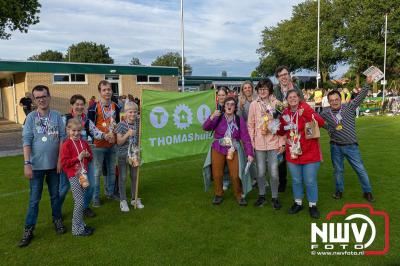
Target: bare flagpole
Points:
(183, 50)
(384, 64)
(318, 75)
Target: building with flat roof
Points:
(65, 79)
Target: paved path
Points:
(10, 139)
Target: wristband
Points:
(27, 163)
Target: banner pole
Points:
(140, 154)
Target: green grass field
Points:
(179, 226)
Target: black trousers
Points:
(282, 168)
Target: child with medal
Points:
(303, 155)
(75, 157)
(262, 125)
(229, 131)
(340, 123)
(105, 115)
(128, 155)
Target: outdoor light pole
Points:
(318, 75)
(183, 50)
(384, 63)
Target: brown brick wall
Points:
(61, 93)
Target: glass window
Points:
(78, 78)
(142, 78)
(154, 79)
(69, 78)
(61, 78)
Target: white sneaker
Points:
(124, 206)
(139, 203)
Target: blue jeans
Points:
(36, 188)
(65, 185)
(353, 156)
(307, 174)
(109, 155)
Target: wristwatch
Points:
(27, 163)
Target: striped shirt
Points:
(348, 133)
(122, 128)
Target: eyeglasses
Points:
(230, 104)
(263, 89)
(283, 75)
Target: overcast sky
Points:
(219, 34)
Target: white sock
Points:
(312, 204)
(299, 201)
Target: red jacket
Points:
(69, 156)
(311, 151)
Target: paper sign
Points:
(374, 72)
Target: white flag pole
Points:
(318, 75)
(384, 65)
(183, 50)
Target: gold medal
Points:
(291, 133)
(339, 127)
(104, 124)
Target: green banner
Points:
(172, 124)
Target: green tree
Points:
(135, 61)
(172, 59)
(48, 55)
(89, 52)
(294, 42)
(362, 30)
(17, 15)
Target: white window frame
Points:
(148, 78)
(70, 82)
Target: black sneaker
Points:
(89, 213)
(337, 195)
(86, 232)
(59, 227)
(217, 200)
(260, 201)
(88, 228)
(295, 208)
(242, 202)
(368, 196)
(314, 213)
(26, 238)
(276, 204)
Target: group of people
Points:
(71, 151)
(275, 125)
(265, 129)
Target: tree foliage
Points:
(17, 15)
(352, 32)
(363, 31)
(135, 61)
(89, 52)
(172, 59)
(48, 55)
(294, 42)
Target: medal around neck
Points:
(44, 138)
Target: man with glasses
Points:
(280, 90)
(340, 123)
(42, 137)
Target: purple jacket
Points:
(219, 132)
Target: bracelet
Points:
(27, 163)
